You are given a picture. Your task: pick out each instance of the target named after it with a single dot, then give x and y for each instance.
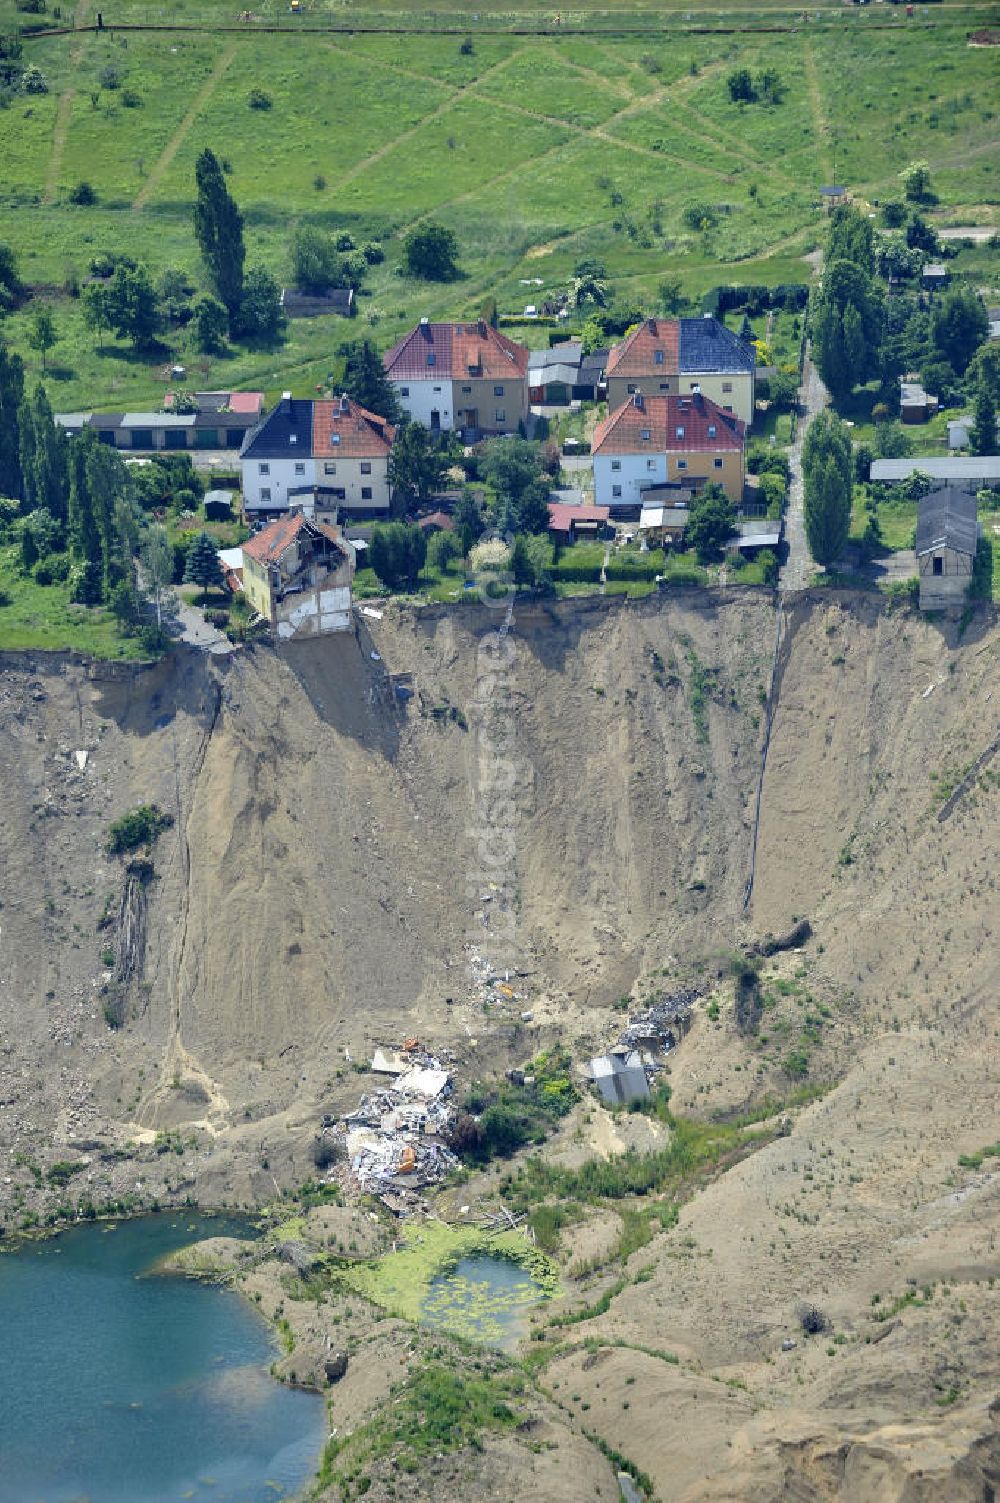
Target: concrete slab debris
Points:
(620, 1079)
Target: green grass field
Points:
(535, 149)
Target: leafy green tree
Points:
(44, 470)
(316, 264)
(41, 334)
(365, 379)
(218, 226)
(430, 251)
(469, 521)
(592, 336)
(211, 324)
(11, 286)
(740, 86)
(983, 435)
(531, 560)
(711, 522)
(11, 396)
(130, 305)
(959, 325)
(891, 441)
(511, 466)
(96, 314)
(397, 554)
(158, 566)
(828, 474)
(671, 296)
(851, 238)
(417, 467)
(202, 566)
(916, 181)
(442, 548)
(984, 368)
(261, 315)
(847, 325)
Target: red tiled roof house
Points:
(468, 377)
(655, 441)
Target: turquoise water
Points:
(117, 1387)
(484, 1298)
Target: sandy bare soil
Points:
(344, 845)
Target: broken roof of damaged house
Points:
(670, 346)
(946, 518)
(668, 424)
(271, 542)
(455, 352)
(618, 1078)
(346, 428)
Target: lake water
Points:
(120, 1387)
(484, 1298)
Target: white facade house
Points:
(427, 402)
(308, 451)
(620, 479)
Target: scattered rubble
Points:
(395, 1141)
(630, 1067)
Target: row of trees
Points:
(858, 336)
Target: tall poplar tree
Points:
(828, 475)
(11, 396)
(218, 225)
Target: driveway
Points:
(798, 569)
(186, 623)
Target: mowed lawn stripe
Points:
(65, 111)
(172, 147)
(374, 157)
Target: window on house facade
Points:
(616, 464)
(664, 385)
(616, 490)
(366, 467)
(501, 416)
(630, 389)
(717, 463)
(329, 468)
(939, 566)
(300, 468)
(727, 386)
(263, 469)
(498, 391)
(467, 391)
(650, 464)
(727, 408)
(404, 391)
(682, 464)
(265, 493)
(366, 493)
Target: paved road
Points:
(799, 569)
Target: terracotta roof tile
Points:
(346, 428)
(270, 543)
(674, 424)
(449, 350)
(637, 355)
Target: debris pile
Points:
(630, 1067)
(395, 1141)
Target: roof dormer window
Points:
(431, 358)
(680, 432)
(645, 434)
(711, 430)
(657, 357)
(335, 438)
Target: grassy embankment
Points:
(605, 145)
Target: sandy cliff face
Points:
(339, 819)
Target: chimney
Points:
(481, 327)
(651, 325)
(425, 327)
(286, 396)
(696, 395)
(345, 405)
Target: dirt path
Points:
(406, 135)
(177, 139)
(65, 111)
(799, 569)
(820, 122)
